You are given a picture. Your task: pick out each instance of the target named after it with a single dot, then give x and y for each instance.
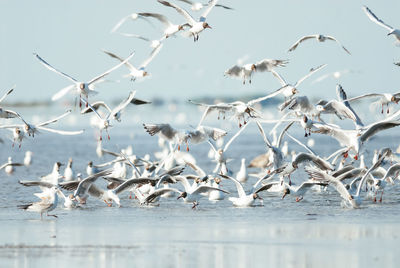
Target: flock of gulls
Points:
(173, 172)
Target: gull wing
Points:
(312, 71)
(180, 10)
(7, 93)
(123, 104)
(210, 6)
(130, 183)
(10, 114)
(112, 69)
(36, 183)
(238, 185)
(234, 137)
(150, 198)
(152, 55)
(340, 44)
(304, 38)
(163, 19)
(319, 162)
(61, 93)
(207, 189)
(54, 119)
(268, 64)
(96, 105)
(365, 96)
(377, 127)
(234, 71)
(375, 19)
(84, 184)
(130, 66)
(51, 68)
(61, 132)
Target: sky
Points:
(71, 35)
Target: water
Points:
(312, 233)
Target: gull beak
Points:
(283, 196)
(208, 26)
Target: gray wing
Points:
(337, 41)
(127, 64)
(268, 64)
(7, 93)
(69, 185)
(87, 182)
(130, 183)
(123, 104)
(266, 186)
(312, 71)
(150, 198)
(163, 19)
(96, 105)
(36, 183)
(304, 38)
(375, 19)
(168, 131)
(180, 10)
(207, 189)
(319, 162)
(51, 68)
(234, 71)
(375, 128)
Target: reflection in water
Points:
(269, 245)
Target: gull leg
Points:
(195, 204)
(48, 215)
(382, 109)
(387, 111)
(299, 198)
(108, 204)
(19, 146)
(187, 147)
(375, 196)
(380, 200)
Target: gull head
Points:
(217, 180)
(294, 91)
(285, 192)
(395, 100)
(253, 67)
(205, 25)
(145, 74)
(180, 27)
(182, 195)
(17, 131)
(82, 86)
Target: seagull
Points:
(246, 71)
(32, 129)
(353, 201)
(69, 172)
(81, 88)
(9, 166)
(193, 194)
(355, 139)
(197, 6)
(245, 200)
(384, 99)
(168, 133)
(288, 90)
(216, 195)
(91, 169)
(319, 38)
(117, 111)
(380, 184)
(219, 154)
(82, 187)
(140, 72)
(196, 26)
(104, 122)
(374, 18)
(28, 158)
(46, 205)
(300, 191)
(241, 176)
(54, 175)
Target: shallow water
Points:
(312, 233)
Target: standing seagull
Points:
(374, 18)
(320, 38)
(196, 26)
(82, 88)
